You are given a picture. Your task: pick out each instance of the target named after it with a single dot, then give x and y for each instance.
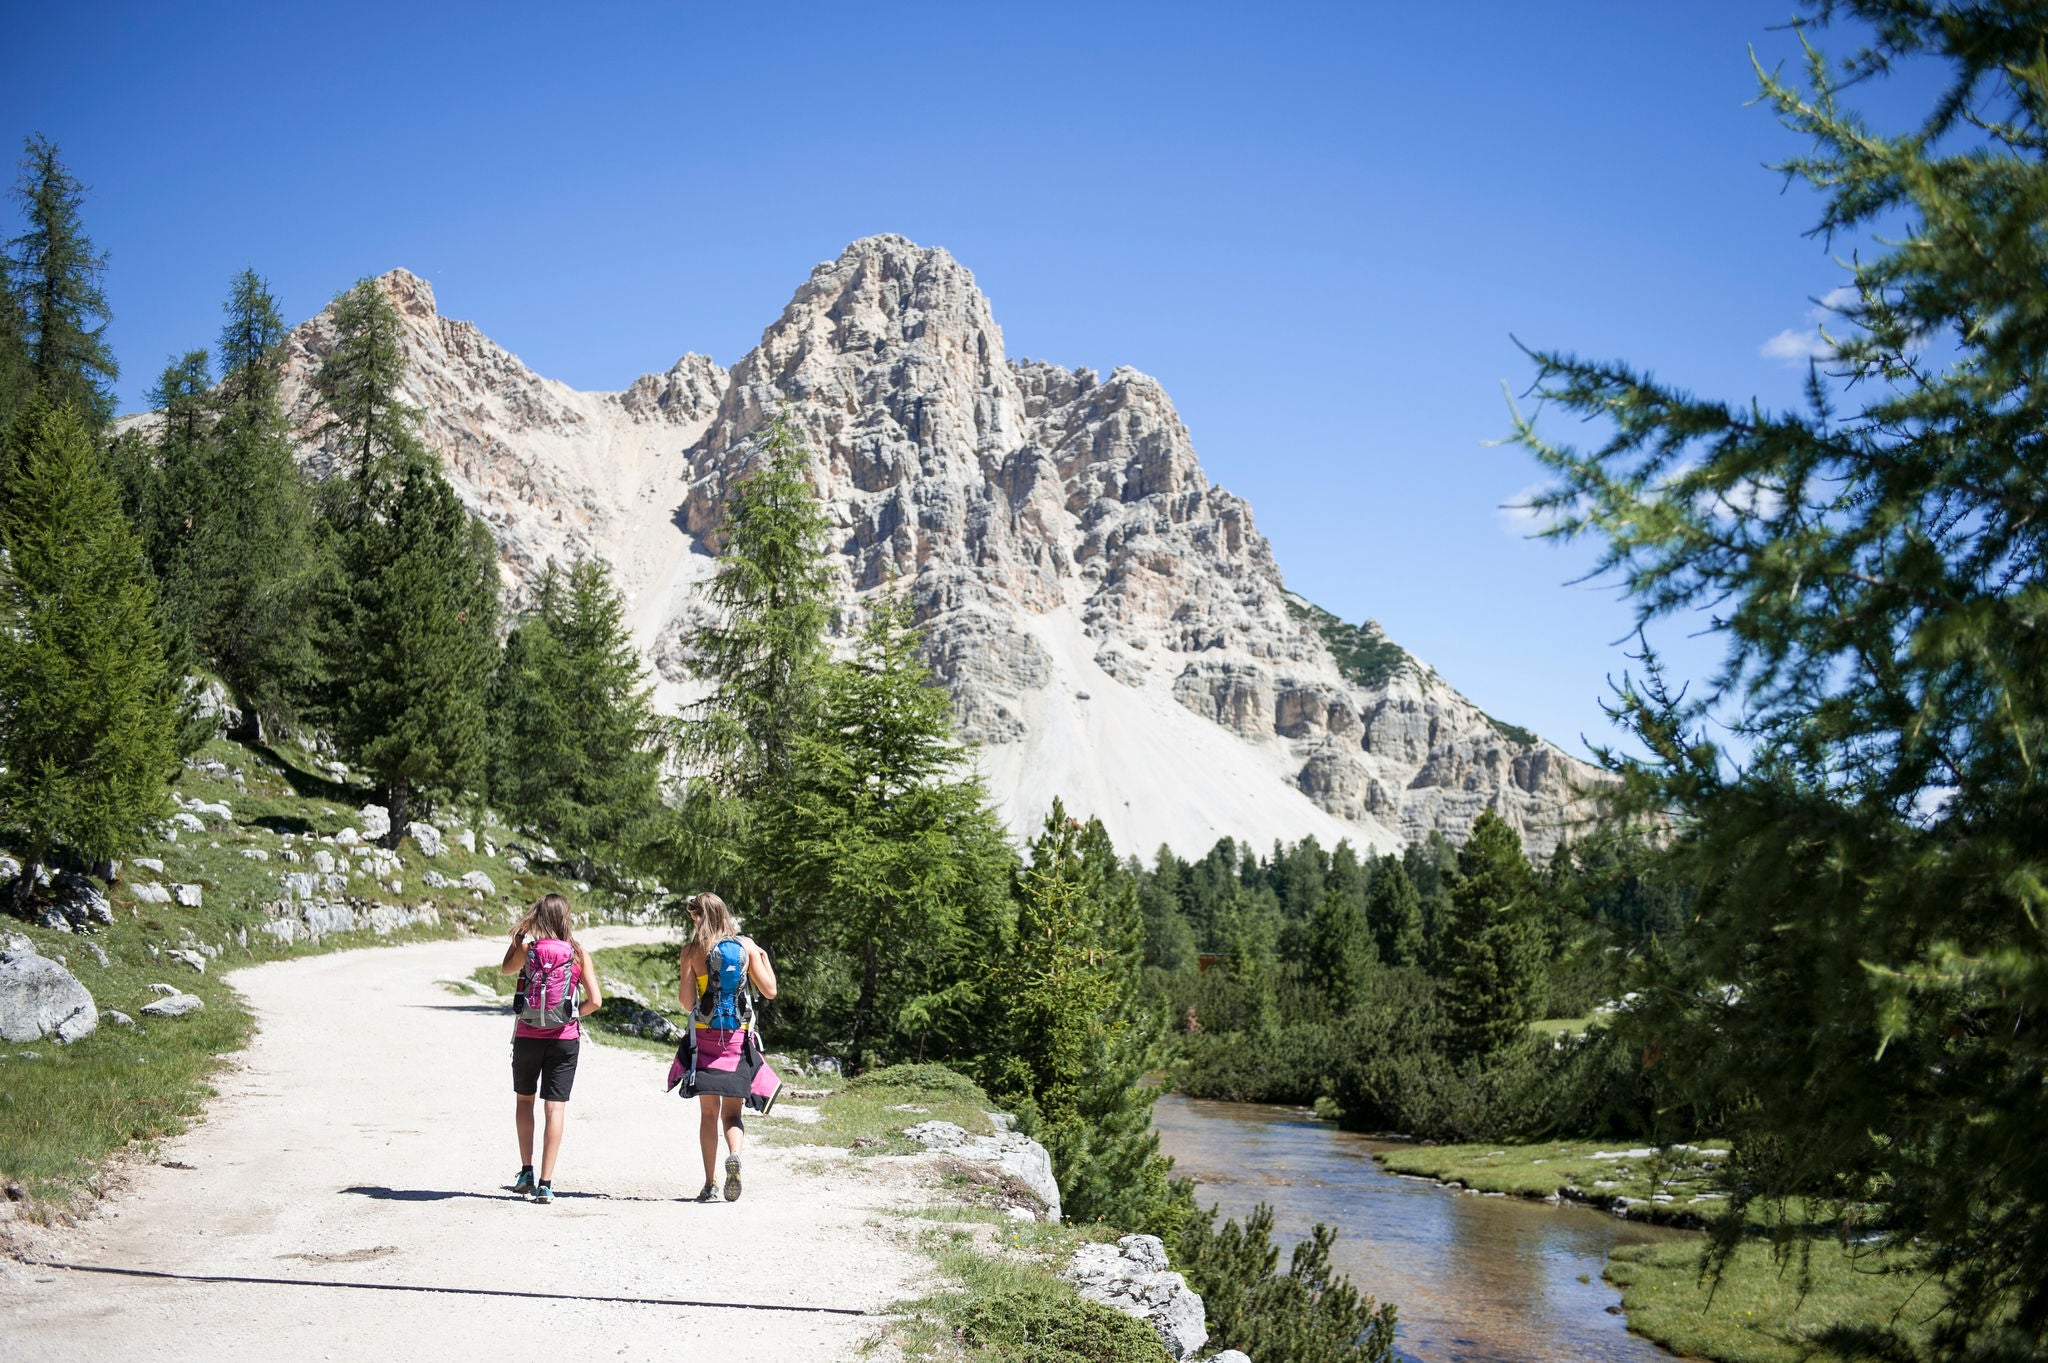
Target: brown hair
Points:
(714, 921)
(550, 918)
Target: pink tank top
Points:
(551, 952)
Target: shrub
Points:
(1306, 1315)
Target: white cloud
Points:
(1797, 347)
(1521, 517)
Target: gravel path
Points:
(365, 1139)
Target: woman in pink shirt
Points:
(545, 1039)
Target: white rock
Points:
(255, 854)
(150, 864)
(1132, 1277)
(434, 880)
(466, 840)
(1230, 1356)
(119, 1018)
(191, 958)
(376, 822)
(191, 823)
(165, 990)
(42, 1001)
(1018, 1156)
(517, 863)
(427, 836)
(477, 880)
(173, 1006)
(347, 837)
(300, 884)
(217, 810)
(149, 892)
(187, 895)
(323, 861)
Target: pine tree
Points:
(184, 395)
(1341, 953)
(764, 660)
(56, 273)
(1393, 911)
(414, 645)
(1871, 926)
(577, 750)
(1493, 944)
(1073, 1040)
(86, 718)
(370, 431)
(258, 556)
(885, 851)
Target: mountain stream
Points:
(1476, 1279)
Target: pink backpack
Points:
(545, 997)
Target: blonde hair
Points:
(714, 921)
(550, 918)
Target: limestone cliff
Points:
(1112, 627)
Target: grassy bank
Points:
(1766, 1309)
(65, 1110)
(1762, 1308)
(1671, 1186)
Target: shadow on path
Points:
(442, 1195)
(449, 1291)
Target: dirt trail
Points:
(366, 1137)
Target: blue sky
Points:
(1321, 226)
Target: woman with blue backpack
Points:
(720, 970)
(548, 1031)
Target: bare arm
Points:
(593, 996)
(515, 955)
(686, 982)
(759, 968)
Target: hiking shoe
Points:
(544, 1194)
(524, 1183)
(710, 1194)
(732, 1178)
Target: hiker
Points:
(547, 1034)
(720, 968)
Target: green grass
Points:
(1566, 1026)
(1005, 1302)
(1363, 654)
(64, 1113)
(1765, 1310)
(1674, 1185)
(867, 1114)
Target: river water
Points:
(1476, 1279)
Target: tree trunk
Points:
(399, 799)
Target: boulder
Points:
(191, 823)
(187, 895)
(173, 1006)
(1018, 1156)
(466, 840)
(255, 854)
(150, 864)
(636, 1020)
(347, 837)
(1230, 1356)
(427, 836)
(149, 892)
(477, 880)
(323, 861)
(119, 1018)
(1132, 1277)
(42, 1001)
(434, 880)
(376, 822)
(191, 958)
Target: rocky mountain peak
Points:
(1113, 628)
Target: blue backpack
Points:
(725, 1002)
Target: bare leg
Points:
(735, 1129)
(551, 1140)
(707, 1132)
(522, 1120)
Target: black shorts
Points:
(546, 1063)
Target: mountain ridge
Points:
(1110, 624)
